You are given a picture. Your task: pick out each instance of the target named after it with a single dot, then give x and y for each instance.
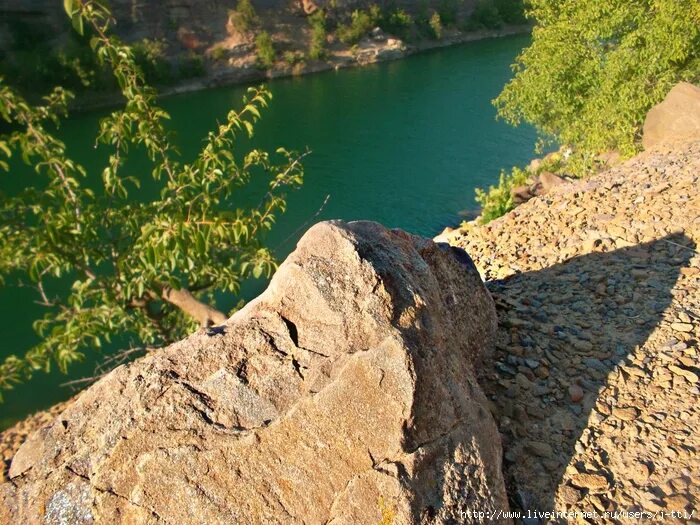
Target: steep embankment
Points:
(595, 382)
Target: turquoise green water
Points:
(403, 143)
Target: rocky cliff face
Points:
(135, 19)
(344, 394)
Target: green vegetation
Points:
(149, 55)
(595, 68)
(292, 58)
(591, 74)
(317, 46)
(266, 50)
(361, 23)
(106, 266)
(449, 12)
(244, 18)
(35, 65)
(485, 16)
(436, 25)
(497, 200)
(218, 53)
(398, 22)
(493, 14)
(190, 66)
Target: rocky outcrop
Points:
(676, 118)
(344, 394)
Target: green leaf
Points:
(69, 6)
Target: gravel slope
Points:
(595, 384)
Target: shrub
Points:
(244, 17)
(105, 266)
(436, 25)
(218, 53)
(361, 23)
(497, 200)
(292, 58)
(399, 23)
(448, 11)
(317, 46)
(266, 50)
(149, 54)
(191, 66)
(511, 11)
(485, 16)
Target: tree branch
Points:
(188, 303)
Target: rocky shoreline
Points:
(369, 51)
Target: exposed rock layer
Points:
(344, 394)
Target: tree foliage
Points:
(595, 68)
(361, 23)
(317, 44)
(106, 264)
(265, 49)
(244, 17)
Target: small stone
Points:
(575, 393)
(626, 413)
(542, 372)
(523, 381)
(582, 346)
(677, 502)
(593, 482)
(635, 371)
(532, 363)
(638, 273)
(692, 377)
(541, 449)
(682, 327)
(687, 361)
(569, 495)
(597, 503)
(640, 473)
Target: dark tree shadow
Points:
(580, 320)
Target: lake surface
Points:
(403, 143)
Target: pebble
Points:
(593, 482)
(682, 327)
(540, 449)
(690, 376)
(626, 413)
(640, 473)
(575, 393)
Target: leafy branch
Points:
(116, 266)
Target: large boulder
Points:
(676, 118)
(344, 394)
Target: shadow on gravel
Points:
(574, 322)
